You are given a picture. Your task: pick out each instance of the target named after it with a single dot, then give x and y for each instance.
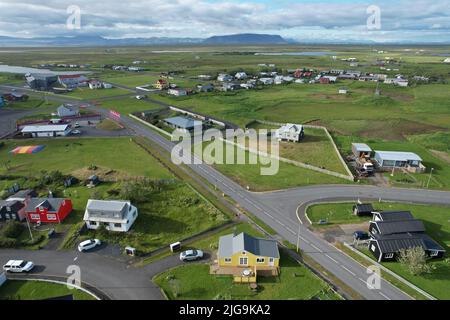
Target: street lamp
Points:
(429, 178)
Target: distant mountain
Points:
(95, 41)
(247, 38)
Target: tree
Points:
(415, 259)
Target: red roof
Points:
(70, 76)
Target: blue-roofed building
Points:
(389, 160)
(184, 123)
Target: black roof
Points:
(395, 242)
(364, 207)
(399, 226)
(395, 215)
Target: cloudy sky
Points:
(332, 20)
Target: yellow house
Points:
(245, 256)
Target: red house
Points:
(48, 210)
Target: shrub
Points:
(13, 229)
(7, 242)
(415, 260)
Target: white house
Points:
(46, 131)
(290, 132)
(266, 81)
(114, 215)
(67, 110)
(223, 77)
(177, 92)
(241, 76)
(95, 84)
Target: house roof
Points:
(107, 209)
(361, 147)
(45, 128)
(231, 244)
(14, 204)
(291, 127)
(364, 207)
(52, 204)
(395, 215)
(68, 107)
(398, 156)
(22, 194)
(183, 122)
(400, 226)
(396, 242)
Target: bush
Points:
(415, 260)
(8, 242)
(13, 229)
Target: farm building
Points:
(48, 210)
(392, 215)
(115, 215)
(290, 132)
(184, 124)
(361, 150)
(67, 110)
(12, 210)
(245, 257)
(389, 160)
(42, 81)
(72, 81)
(387, 248)
(45, 131)
(363, 209)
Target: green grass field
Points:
(128, 105)
(37, 290)
(70, 155)
(88, 94)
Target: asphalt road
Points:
(113, 277)
(279, 211)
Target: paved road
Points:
(278, 210)
(114, 277)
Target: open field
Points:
(88, 94)
(195, 282)
(128, 105)
(38, 290)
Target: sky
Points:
(303, 20)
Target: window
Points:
(388, 255)
(117, 225)
(243, 261)
(35, 217)
(93, 223)
(227, 260)
(51, 217)
(434, 253)
(372, 247)
(260, 260)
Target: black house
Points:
(387, 247)
(384, 228)
(363, 209)
(12, 210)
(392, 215)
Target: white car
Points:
(76, 125)
(18, 266)
(191, 255)
(141, 97)
(88, 245)
(76, 132)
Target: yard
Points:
(38, 290)
(193, 281)
(128, 105)
(88, 94)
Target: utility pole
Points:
(429, 178)
(298, 237)
(29, 228)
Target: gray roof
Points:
(231, 244)
(68, 107)
(52, 204)
(396, 242)
(362, 147)
(364, 207)
(183, 122)
(23, 194)
(107, 209)
(398, 156)
(399, 226)
(395, 215)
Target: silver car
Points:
(191, 255)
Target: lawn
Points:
(109, 125)
(74, 155)
(37, 290)
(88, 94)
(288, 175)
(31, 103)
(435, 218)
(193, 282)
(128, 105)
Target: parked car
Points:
(76, 132)
(141, 97)
(191, 255)
(18, 266)
(88, 245)
(361, 235)
(76, 125)
(323, 222)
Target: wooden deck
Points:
(237, 272)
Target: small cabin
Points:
(363, 209)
